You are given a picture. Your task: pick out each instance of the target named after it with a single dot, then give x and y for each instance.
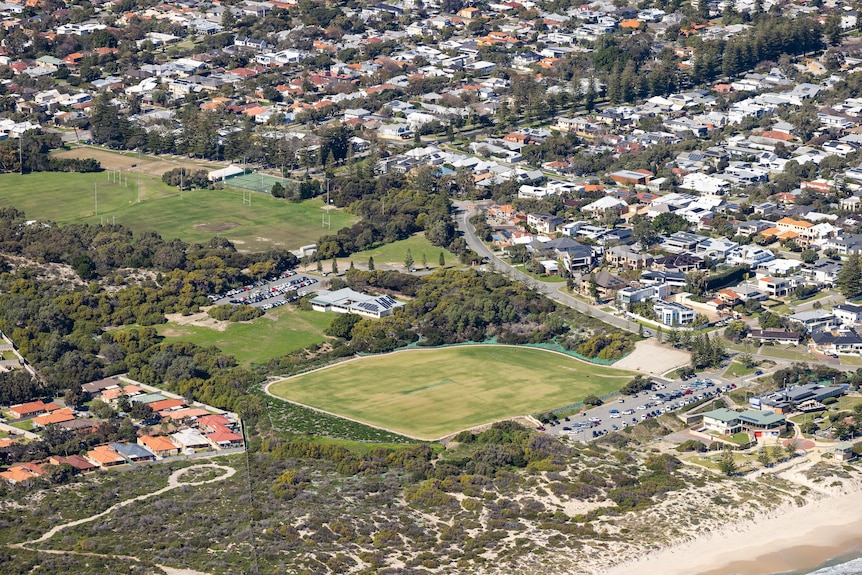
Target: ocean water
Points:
(847, 564)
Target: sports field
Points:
(197, 216)
(429, 394)
(281, 331)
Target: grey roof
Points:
(132, 450)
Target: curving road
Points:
(467, 209)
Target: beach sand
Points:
(786, 539)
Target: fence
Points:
(257, 182)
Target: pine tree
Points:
(850, 278)
(442, 260)
(334, 266)
(351, 265)
(408, 260)
(319, 266)
(371, 263)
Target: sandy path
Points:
(174, 481)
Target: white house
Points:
(672, 313)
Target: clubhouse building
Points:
(348, 301)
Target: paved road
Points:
(468, 209)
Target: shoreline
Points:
(787, 539)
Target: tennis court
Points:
(256, 182)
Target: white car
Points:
(642, 407)
(629, 412)
(615, 415)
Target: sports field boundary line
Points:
(352, 359)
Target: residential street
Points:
(466, 209)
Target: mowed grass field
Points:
(429, 394)
(196, 217)
(259, 340)
(393, 255)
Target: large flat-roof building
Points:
(786, 400)
(346, 300)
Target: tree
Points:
(592, 400)
(832, 29)
(594, 288)
(727, 465)
(643, 231)
(808, 256)
(101, 409)
(850, 277)
(319, 266)
(277, 190)
(334, 266)
(342, 325)
(442, 259)
(408, 260)
(371, 263)
(763, 457)
(424, 260)
(790, 449)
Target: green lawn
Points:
(850, 360)
(395, 254)
(197, 217)
(798, 354)
(8, 355)
(540, 277)
(736, 369)
(259, 340)
(26, 425)
(431, 393)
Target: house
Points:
(776, 287)
(190, 439)
(346, 300)
(630, 295)
(673, 313)
(58, 416)
(814, 320)
(752, 255)
(160, 445)
(602, 205)
(80, 464)
(133, 452)
(606, 284)
(677, 263)
(224, 438)
(775, 335)
(167, 404)
(626, 258)
(31, 409)
(682, 242)
(841, 341)
(847, 313)
(105, 456)
(632, 177)
(21, 472)
(544, 223)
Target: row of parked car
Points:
(249, 287)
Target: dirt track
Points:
(651, 357)
(149, 165)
